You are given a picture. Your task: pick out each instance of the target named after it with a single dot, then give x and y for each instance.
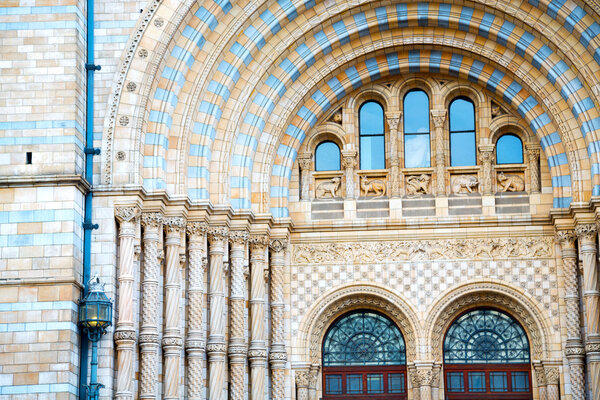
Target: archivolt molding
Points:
(350, 297)
(472, 295)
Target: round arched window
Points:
(509, 149)
(364, 355)
(327, 157)
(486, 356)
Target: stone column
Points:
(439, 117)
(172, 341)
(540, 377)
(125, 330)
(238, 350)
(395, 179)
(425, 378)
(152, 223)
(313, 379)
(305, 163)
(587, 234)
(195, 342)
(574, 347)
(486, 157)
(216, 346)
(415, 382)
(258, 333)
(349, 163)
(278, 355)
(552, 381)
(302, 379)
(533, 155)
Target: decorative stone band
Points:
(124, 336)
(237, 350)
(195, 345)
(148, 338)
(592, 348)
(378, 252)
(575, 351)
(278, 356)
(172, 342)
(216, 349)
(257, 354)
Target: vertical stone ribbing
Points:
(278, 355)
(258, 335)
(486, 157)
(216, 347)
(533, 153)
(349, 163)
(172, 341)
(125, 330)
(195, 343)
(393, 120)
(305, 162)
(587, 234)
(152, 223)
(237, 322)
(552, 381)
(439, 117)
(574, 346)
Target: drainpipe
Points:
(89, 153)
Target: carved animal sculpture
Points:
(464, 184)
(328, 187)
(376, 186)
(510, 183)
(417, 185)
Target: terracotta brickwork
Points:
(227, 254)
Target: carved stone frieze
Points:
(216, 348)
(510, 183)
(195, 344)
(418, 185)
(464, 184)
(257, 353)
(172, 341)
(329, 188)
(123, 335)
(277, 356)
(377, 252)
(592, 347)
(148, 338)
(574, 351)
(237, 349)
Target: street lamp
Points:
(95, 315)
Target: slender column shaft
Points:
(439, 117)
(172, 341)
(486, 157)
(152, 223)
(258, 334)
(393, 120)
(425, 377)
(278, 355)
(533, 154)
(125, 331)
(305, 163)
(574, 347)
(216, 346)
(552, 380)
(540, 376)
(238, 350)
(312, 382)
(302, 379)
(348, 163)
(591, 295)
(195, 343)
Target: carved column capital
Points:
(566, 238)
(239, 238)
(278, 245)
(152, 220)
(552, 375)
(302, 379)
(586, 232)
(174, 225)
(304, 161)
(393, 119)
(196, 228)
(218, 233)
(258, 243)
(349, 159)
(439, 117)
(486, 154)
(126, 214)
(533, 153)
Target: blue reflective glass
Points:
(455, 382)
(371, 119)
(363, 338)
(416, 112)
(520, 381)
(372, 152)
(333, 384)
(498, 382)
(375, 383)
(476, 381)
(462, 115)
(327, 157)
(417, 151)
(396, 383)
(462, 149)
(509, 150)
(354, 384)
(486, 336)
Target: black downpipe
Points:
(89, 153)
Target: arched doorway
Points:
(364, 357)
(486, 357)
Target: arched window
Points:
(462, 132)
(372, 136)
(327, 157)
(509, 149)
(364, 354)
(416, 130)
(486, 356)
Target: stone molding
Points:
(405, 250)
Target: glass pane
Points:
(416, 111)
(486, 336)
(509, 150)
(520, 381)
(416, 151)
(354, 384)
(333, 384)
(371, 119)
(455, 382)
(396, 383)
(462, 115)
(363, 338)
(498, 382)
(372, 152)
(327, 157)
(375, 383)
(462, 149)
(476, 381)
